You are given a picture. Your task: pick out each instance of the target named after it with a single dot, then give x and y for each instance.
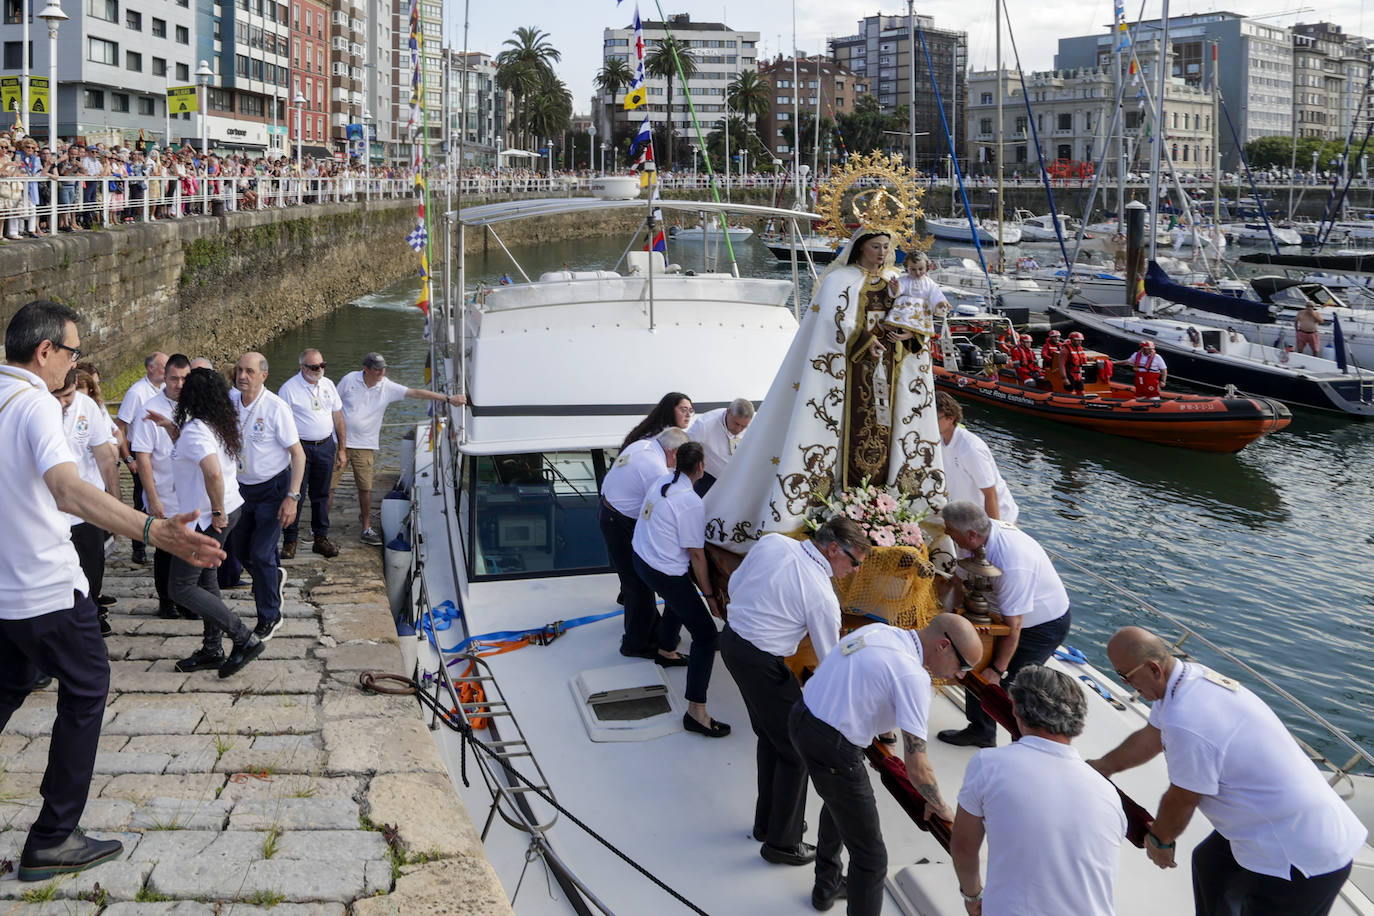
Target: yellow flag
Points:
(38, 94)
(634, 98)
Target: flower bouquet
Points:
(887, 517)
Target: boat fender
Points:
(1102, 691)
(1070, 654)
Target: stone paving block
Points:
(303, 759)
(290, 909)
(119, 647)
(157, 721)
(346, 845)
(294, 607)
(126, 701)
(180, 814)
(284, 648)
(300, 628)
(292, 785)
(198, 761)
(34, 719)
(120, 879)
(161, 678)
(295, 814)
(11, 745)
(362, 656)
(107, 814)
(162, 908)
(261, 677)
(355, 703)
(353, 622)
(324, 881)
(50, 908)
(169, 628)
(376, 876)
(34, 758)
(123, 762)
(170, 744)
(428, 812)
(163, 845)
(268, 714)
(465, 886)
(137, 788)
(389, 746)
(156, 648)
(290, 744)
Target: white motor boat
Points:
(821, 249)
(1011, 291)
(953, 229)
(1041, 228)
(708, 232)
(1253, 234)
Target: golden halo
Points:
(878, 192)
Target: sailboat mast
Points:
(1001, 256)
(1120, 133)
(911, 83)
(1158, 136)
(727, 148)
(796, 113)
(1216, 170)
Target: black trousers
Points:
(1035, 646)
(162, 568)
(770, 690)
(139, 503)
(253, 540)
(849, 816)
(1223, 887)
(67, 645)
(641, 614)
(319, 470)
(89, 542)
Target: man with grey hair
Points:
(131, 407)
(1030, 597)
(1053, 825)
(622, 494)
(365, 396)
(315, 404)
(719, 431)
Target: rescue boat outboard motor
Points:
(971, 358)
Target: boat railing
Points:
(1338, 772)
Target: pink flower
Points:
(854, 511)
(883, 537)
(885, 503)
(911, 534)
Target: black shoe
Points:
(801, 854)
(668, 661)
(167, 610)
(76, 853)
(266, 629)
(105, 628)
(714, 730)
(241, 656)
(140, 555)
(966, 737)
(650, 652)
(202, 659)
(824, 900)
(106, 601)
(41, 682)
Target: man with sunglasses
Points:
(1030, 597)
(876, 679)
(780, 593)
(1283, 841)
(314, 402)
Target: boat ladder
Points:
(510, 770)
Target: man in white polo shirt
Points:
(314, 402)
(1030, 597)
(154, 365)
(781, 593)
(47, 617)
(719, 431)
(1283, 841)
(623, 489)
(875, 680)
(971, 474)
(271, 466)
(366, 395)
(1053, 825)
(152, 448)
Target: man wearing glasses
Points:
(47, 616)
(780, 593)
(1283, 840)
(874, 680)
(314, 402)
(1030, 597)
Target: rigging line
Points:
(1350, 175)
(1331, 211)
(1035, 133)
(457, 724)
(1245, 163)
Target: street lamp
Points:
(591, 147)
(604, 145)
(300, 102)
(695, 149)
(203, 76)
(52, 14)
(1314, 166)
(367, 151)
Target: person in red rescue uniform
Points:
(1074, 361)
(1150, 371)
(1024, 362)
(1050, 351)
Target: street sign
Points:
(38, 94)
(9, 92)
(277, 129)
(181, 99)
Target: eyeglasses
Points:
(964, 666)
(1126, 678)
(313, 367)
(852, 561)
(74, 351)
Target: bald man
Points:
(1283, 841)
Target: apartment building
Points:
(815, 84)
(1330, 81)
(470, 107)
(400, 148)
(310, 78)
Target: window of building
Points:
(14, 55)
(241, 65)
(133, 20)
(219, 99)
(95, 98)
(1022, 125)
(146, 105)
(1065, 151)
(784, 100)
(107, 10)
(1065, 122)
(100, 51)
(119, 101)
(14, 12)
(985, 98)
(252, 105)
(159, 28)
(985, 126)
(133, 61)
(183, 35)
(183, 72)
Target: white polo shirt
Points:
(668, 525)
(1054, 828)
(716, 440)
(970, 469)
(781, 592)
(874, 682)
(635, 468)
(312, 406)
(1029, 587)
(364, 407)
(38, 571)
(137, 395)
(87, 426)
(268, 430)
(147, 438)
(197, 442)
(1258, 788)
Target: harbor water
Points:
(1269, 552)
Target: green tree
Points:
(663, 62)
(808, 137)
(548, 110)
(750, 96)
(613, 76)
(864, 128)
(741, 138)
(526, 59)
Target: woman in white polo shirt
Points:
(669, 538)
(205, 476)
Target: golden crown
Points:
(879, 193)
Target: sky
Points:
(575, 27)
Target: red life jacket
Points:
(1146, 379)
(1074, 360)
(1047, 354)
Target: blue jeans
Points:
(849, 816)
(1035, 646)
(683, 607)
(641, 616)
(319, 469)
(254, 540)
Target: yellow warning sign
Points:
(9, 92)
(38, 94)
(181, 99)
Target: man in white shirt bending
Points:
(719, 431)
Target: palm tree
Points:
(523, 63)
(548, 110)
(661, 62)
(613, 76)
(750, 96)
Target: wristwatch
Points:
(130, 460)
(971, 898)
(1154, 841)
(296, 496)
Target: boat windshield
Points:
(535, 514)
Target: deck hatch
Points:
(626, 703)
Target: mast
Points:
(1162, 68)
(723, 221)
(1001, 254)
(1121, 131)
(796, 113)
(911, 93)
(1216, 172)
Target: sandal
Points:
(714, 730)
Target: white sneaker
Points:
(371, 538)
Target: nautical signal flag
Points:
(635, 98)
(642, 137)
(637, 95)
